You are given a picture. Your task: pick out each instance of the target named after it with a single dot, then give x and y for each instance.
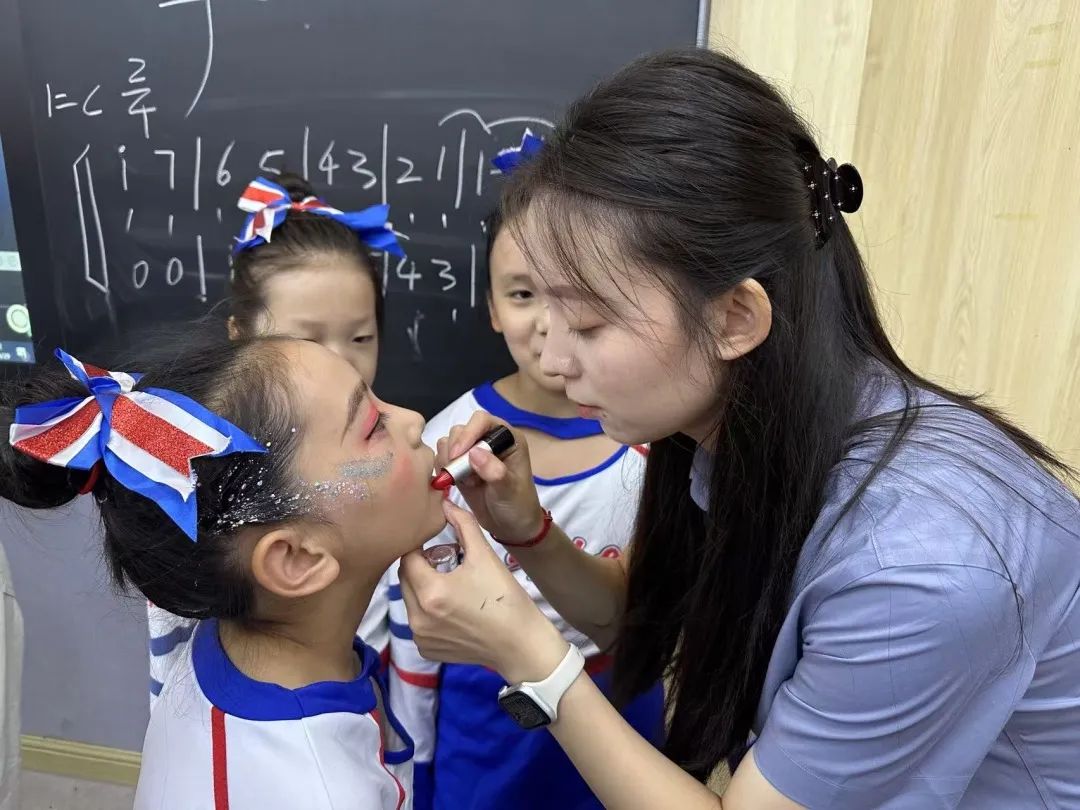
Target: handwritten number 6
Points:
(224, 176)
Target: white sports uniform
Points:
(219, 740)
(169, 635)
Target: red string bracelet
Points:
(544, 529)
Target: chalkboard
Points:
(132, 127)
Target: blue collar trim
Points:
(230, 690)
(574, 427)
(581, 476)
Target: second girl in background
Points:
(469, 752)
(303, 270)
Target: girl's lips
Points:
(588, 412)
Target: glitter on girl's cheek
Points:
(354, 481)
(336, 491)
(368, 467)
(253, 506)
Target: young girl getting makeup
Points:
(259, 488)
(303, 269)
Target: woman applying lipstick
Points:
(469, 753)
(864, 577)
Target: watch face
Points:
(525, 713)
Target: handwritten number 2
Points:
(407, 176)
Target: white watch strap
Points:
(554, 686)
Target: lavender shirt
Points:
(904, 675)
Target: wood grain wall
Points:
(964, 118)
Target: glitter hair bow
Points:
(510, 158)
(146, 439)
(267, 205)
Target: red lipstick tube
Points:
(498, 442)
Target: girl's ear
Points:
(292, 564)
(234, 331)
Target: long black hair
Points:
(688, 163)
(301, 238)
(245, 382)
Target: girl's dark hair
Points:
(296, 241)
(688, 163)
(242, 381)
(493, 225)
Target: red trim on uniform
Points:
(221, 770)
(422, 679)
(374, 715)
(384, 658)
(641, 448)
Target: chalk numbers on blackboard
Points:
(138, 94)
(184, 174)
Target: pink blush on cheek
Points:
(403, 474)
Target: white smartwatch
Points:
(536, 704)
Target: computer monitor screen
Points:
(16, 337)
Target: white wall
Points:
(85, 675)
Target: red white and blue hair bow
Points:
(267, 205)
(146, 439)
(510, 158)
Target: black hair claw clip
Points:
(846, 187)
(833, 190)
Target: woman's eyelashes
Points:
(363, 338)
(584, 332)
(521, 295)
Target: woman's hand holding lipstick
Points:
(478, 613)
(498, 442)
(500, 491)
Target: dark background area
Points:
(133, 127)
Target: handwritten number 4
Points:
(409, 275)
(327, 164)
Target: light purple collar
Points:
(700, 476)
(881, 393)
